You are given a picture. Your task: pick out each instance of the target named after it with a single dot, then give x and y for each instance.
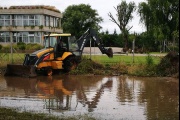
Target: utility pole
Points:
(133, 46)
(90, 49)
(164, 46)
(11, 39)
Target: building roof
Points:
(31, 9)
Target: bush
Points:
(149, 60)
(175, 48)
(6, 49)
(21, 45)
(33, 46)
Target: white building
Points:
(28, 23)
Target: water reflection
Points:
(105, 97)
(159, 96)
(57, 91)
(18, 86)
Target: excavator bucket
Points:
(109, 52)
(20, 70)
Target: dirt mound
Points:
(87, 66)
(169, 65)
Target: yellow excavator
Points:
(60, 52)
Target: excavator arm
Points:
(91, 34)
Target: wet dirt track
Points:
(102, 97)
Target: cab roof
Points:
(61, 34)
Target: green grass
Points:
(122, 59)
(103, 59)
(6, 58)
(11, 114)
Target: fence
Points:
(7, 57)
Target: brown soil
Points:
(169, 65)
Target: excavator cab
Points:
(57, 42)
(60, 43)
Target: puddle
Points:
(119, 97)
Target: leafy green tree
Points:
(160, 17)
(145, 14)
(111, 39)
(124, 15)
(78, 18)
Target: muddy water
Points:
(101, 97)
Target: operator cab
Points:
(61, 43)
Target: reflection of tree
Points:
(162, 99)
(27, 84)
(125, 90)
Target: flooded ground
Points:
(101, 97)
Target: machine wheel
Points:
(49, 72)
(69, 64)
(56, 71)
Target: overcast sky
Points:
(103, 7)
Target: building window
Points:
(51, 22)
(31, 20)
(56, 22)
(37, 37)
(4, 37)
(1, 22)
(46, 21)
(31, 38)
(18, 19)
(4, 20)
(26, 20)
(14, 39)
(27, 37)
(37, 20)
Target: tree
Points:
(124, 15)
(160, 17)
(110, 39)
(78, 18)
(145, 14)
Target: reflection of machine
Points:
(49, 88)
(60, 93)
(54, 93)
(94, 101)
(61, 51)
